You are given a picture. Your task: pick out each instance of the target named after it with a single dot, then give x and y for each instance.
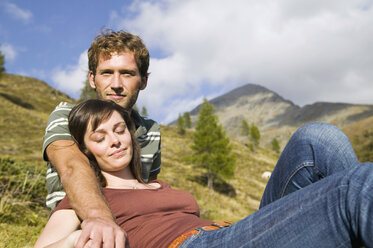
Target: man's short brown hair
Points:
(109, 42)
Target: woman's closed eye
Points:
(120, 131)
(98, 138)
(120, 128)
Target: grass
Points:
(22, 211)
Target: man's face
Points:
(118, 79)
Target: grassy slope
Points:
(361, 136)
(25, 104)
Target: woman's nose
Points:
(115, 140)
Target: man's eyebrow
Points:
(105, 70)
(128, 70)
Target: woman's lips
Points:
(118, 152)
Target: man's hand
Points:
(100, 232)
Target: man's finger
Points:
(120, 240)
(97, 239)
(108, 239)
(83, 239)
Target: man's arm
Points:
(84, 194)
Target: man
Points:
(118, 70)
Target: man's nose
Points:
(116, 83)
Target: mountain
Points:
(276, 116)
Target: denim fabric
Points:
(299, 209)
(315, 151)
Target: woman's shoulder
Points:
(162, 183)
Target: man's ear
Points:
(144, 82)
(91, 78)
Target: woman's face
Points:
(110, 143)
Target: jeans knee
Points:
(320, 132)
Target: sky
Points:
(306, 51)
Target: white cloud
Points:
(18, 13)
(71, 79)
(307, 51)
(9, 52)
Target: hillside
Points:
(361, 136)
(25, 104)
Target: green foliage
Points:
(180, 125)
(255, 135)
(212, 149)
(2, 62)
(245, 128)
(275, 145)
(22, 211)
(87, 92)
(23, 191)
(187, 120)
(144, 111)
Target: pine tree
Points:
(87, 92)
(180, 125)
(212, 149)
(275, 145)
(144, 111)
(2, 62)
(187, 120)
(245, 127)
(255, 135)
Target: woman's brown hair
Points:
(96, 111)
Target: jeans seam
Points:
(301, 166)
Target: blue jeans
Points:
(298, 209)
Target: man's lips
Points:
(116, 96)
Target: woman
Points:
(336, 211)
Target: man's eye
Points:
(127, 73)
